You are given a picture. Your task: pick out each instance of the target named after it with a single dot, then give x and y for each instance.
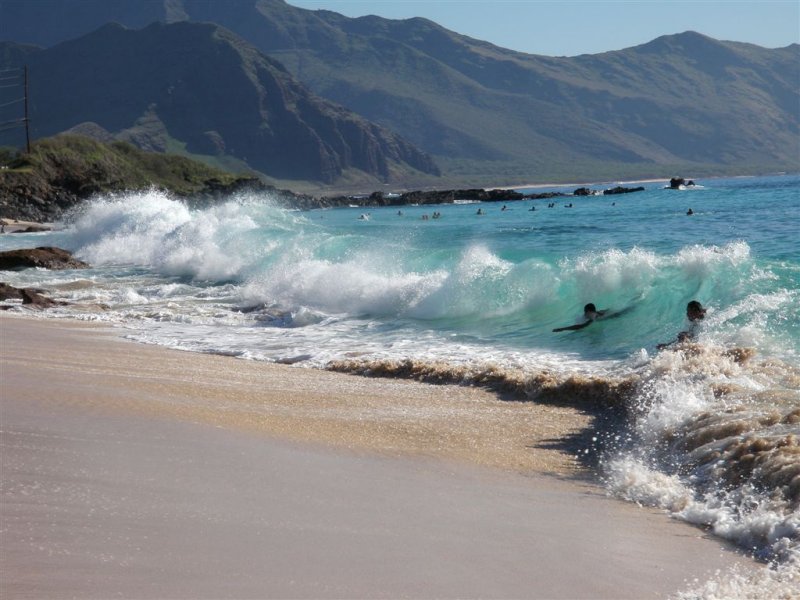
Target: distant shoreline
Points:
(537, 186)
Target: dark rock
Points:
(676, 182)
(9, 292)
(37, 300)
(584, 191)
(29, 296)
(622, 190)
(33, 229)
(544, 195)
(44, 257)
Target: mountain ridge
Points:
(241, 103)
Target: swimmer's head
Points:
(590, 311)
(695, 311)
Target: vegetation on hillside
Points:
(64, 170)
(79, 165)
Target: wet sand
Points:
(140, 472)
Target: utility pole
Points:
(27, 121)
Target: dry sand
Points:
(140, 472)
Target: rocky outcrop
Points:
(450, 196)
(9, 292)
(622, 190)
(36, 300)
(433, 197)
(44, 257)
(676, 182)
(30, 198)
(30, 297)
(584, 191)
(215, 191)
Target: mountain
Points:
(489, 114)
(200, 89)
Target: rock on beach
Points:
(43, 257)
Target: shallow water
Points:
(711, 428)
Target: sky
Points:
(572, 27)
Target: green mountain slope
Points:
(490, 114)
(201, 89)
(61, 171)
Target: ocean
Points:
(708, 430)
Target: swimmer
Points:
(590, 315)
(695, 313)
(480, 212)
(690, 212)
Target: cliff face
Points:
(201, 87)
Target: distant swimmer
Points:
(480, 211)
(399, 213)
(504, 207)
(363, 217)
(690, 212)
(531, 209)
(695, 313)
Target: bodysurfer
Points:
(590, 315)
(695, 313)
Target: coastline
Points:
(182, 470)
(534, 186)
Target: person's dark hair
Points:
(695, 305)
(590, 308)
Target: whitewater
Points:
(707, 430)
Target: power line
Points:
(12, 102)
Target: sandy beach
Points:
(141, 472)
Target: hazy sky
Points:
(571, 27)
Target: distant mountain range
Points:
(684, 103)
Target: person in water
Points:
(695, 313)
(590, 315)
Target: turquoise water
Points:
(711, 429)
